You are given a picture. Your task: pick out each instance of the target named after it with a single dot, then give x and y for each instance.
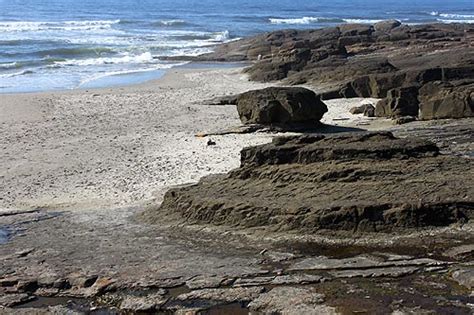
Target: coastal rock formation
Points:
(359, 60)
(367, 110)
(399, 102)
(280, 105)
(359, 182)
(447, 100)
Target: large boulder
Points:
(280, 105)
(386, 26)
(446, 100)
(399, 102)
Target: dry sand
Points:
(107, 148)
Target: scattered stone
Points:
(360, 262)
(222, 100)
(147, 303)
(207, 298)
(460, 251)
(47, 292)
(24, 253)
(210, 142)
(203, 282)
(10, 300)
(100, 286)
(82, 281)
(367, 109)
(8, 282)
(404, 120)
(297, 279)
(280, 256)
(393, 272)
(251, 282)
(47, 279)
(26, 285)
(290, 300)
(464, 277)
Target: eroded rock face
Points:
(447, 100)
(365, 182)
(399, 102)
(280, 105)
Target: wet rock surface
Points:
(358, 182)
(134, 267)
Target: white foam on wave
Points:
(303, 20)
(29, 26)
(455, 21)
(221, 37)
(172, 22)
(312, 20)
(16, 74)
(361, 21)
(9, 65)
(457, 16)
(125, 59)
(125, 72)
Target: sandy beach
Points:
(123, 146)
(80, 170)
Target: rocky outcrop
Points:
(364, 182)
(447, 100)
(359, 60)
(280, 105)
(399, 102)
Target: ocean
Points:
(68, 44)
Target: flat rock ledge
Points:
(356, 182)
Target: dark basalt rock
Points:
(280, 105)
(362, 182)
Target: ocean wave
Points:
(162, 66)
(303, 20)
(28, 26)
(362, 21)
(125, 59)
(457, 16)
(78, 51)
(313, 20)
(170, 22)
(221, 36)
(455, 21)
(9, 65)
(16, 74)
